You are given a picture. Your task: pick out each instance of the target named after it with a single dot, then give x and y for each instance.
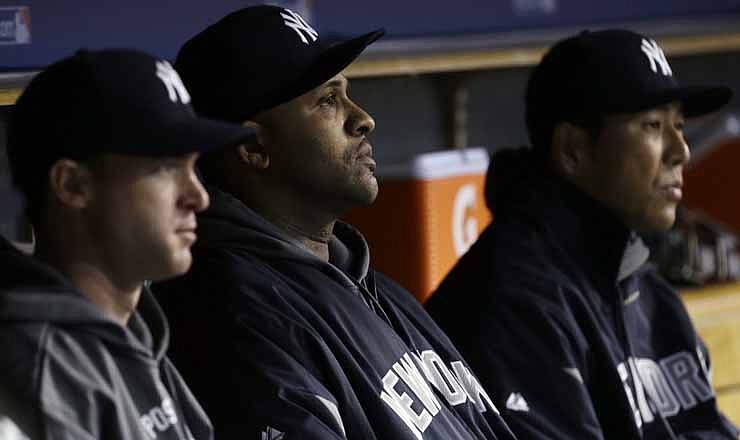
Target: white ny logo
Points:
(296, 22)
(655, 55)
(171, 80)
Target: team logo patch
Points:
(171, 80)
(272, 434)
(299, 25)
(655, 55)
(516, 402)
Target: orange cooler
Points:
(428, 212)
(712, 182)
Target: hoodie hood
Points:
(516, 180)
(34, 292)
(230, 224)
(518, 186)
(19, 269)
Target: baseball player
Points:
(103, 146)
(298, 337)
(556, 306)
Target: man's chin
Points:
(659, 223)
(178, 265)
(370, 196)
(366, 191)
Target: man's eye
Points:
(652, 125)
(328, 100)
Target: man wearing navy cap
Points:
(103, 146)
(556, 306)
(298, 338)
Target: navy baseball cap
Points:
(259, 57)
(111, 101)
(608, 72)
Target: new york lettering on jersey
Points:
(673, 383)
(408, 389)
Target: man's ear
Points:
(253, 152)
(71, 183)
(569, 151)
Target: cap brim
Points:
(337, 57)
(185, 136)
(208, 135)
(331, 62)
(696, 100)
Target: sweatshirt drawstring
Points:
(369, 294)
(629, 354)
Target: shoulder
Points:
(406, 305)
(392, 290)
(658, 300)
(71, 360)
(509, 252)
(218, 280)
(22, 341)
(227, 265)
(62, 373)
(511, 264)
(416, 319)
(230, 294)
(20, 363)
(42, 354)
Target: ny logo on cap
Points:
(299, 25)
(175, 88)
(656, 56)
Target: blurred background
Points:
(447, 75)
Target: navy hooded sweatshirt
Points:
(280, 344)
(567, 324)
